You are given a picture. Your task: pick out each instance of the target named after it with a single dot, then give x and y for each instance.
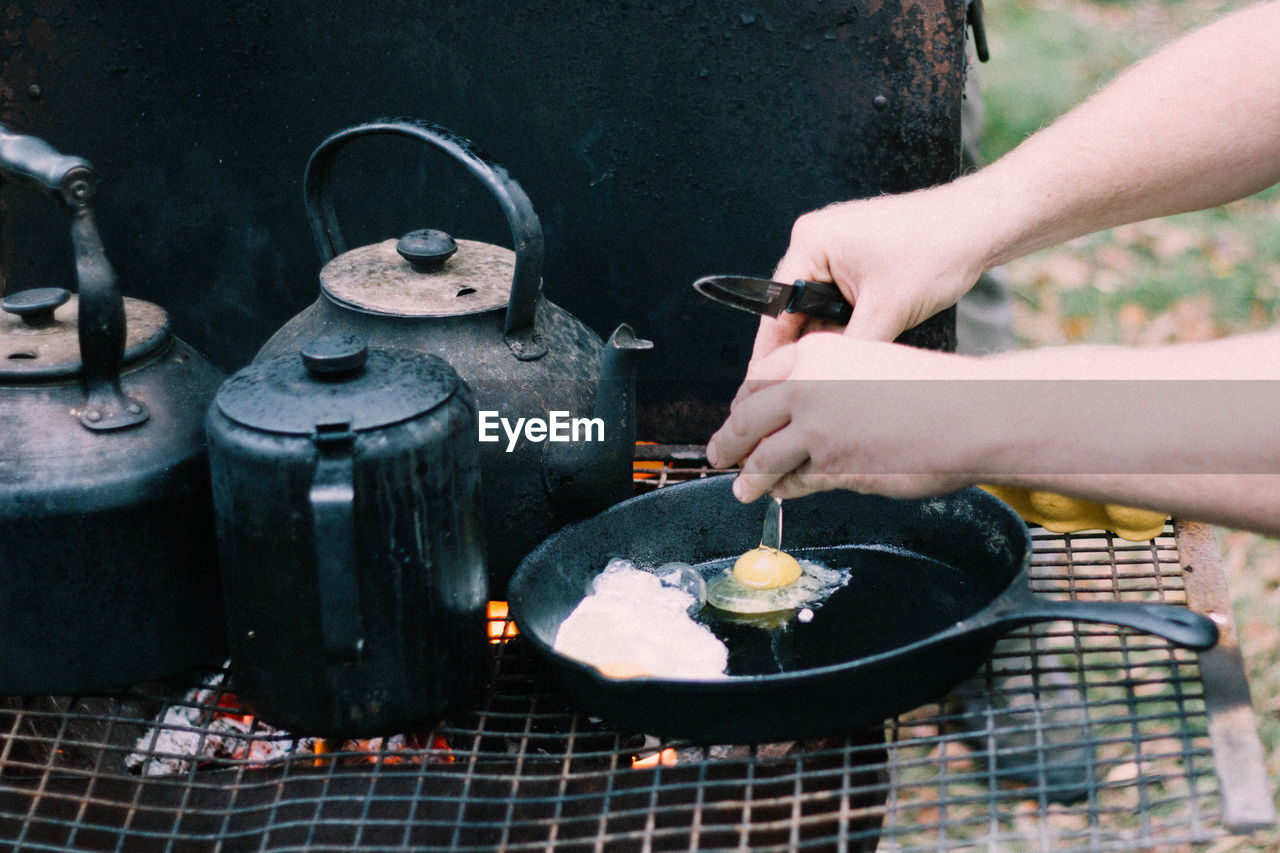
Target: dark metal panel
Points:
(658, 141)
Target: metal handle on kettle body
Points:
(30, 162)
(526, 229)
(333, 518)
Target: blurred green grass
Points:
(1047, 57)
(1050, 55)
(1189, 277)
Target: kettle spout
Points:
(616, 392)
(585, 477)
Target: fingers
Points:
(800, 482)
(753, 418)
(873, 319)
(801, 261)
(797, 263)
(775, 333)
(774, 367)
(764, 373)
(774, 459)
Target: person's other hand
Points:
(830, 411)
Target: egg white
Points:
(815, 584)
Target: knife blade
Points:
(762, 296)
(771, 535)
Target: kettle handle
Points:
(526, 229)
(30, 162)
(332, 499)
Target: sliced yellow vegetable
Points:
(1062, 514)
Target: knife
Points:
(762, 296)
(771, 535)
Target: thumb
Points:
(874, 322)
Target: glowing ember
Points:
(645, 469)
(206, 726)
(500, 626)
(209, 727)
(666, 758)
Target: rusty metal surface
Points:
(375, 278)
(55, 349)
(1247, 804)
(658, 141)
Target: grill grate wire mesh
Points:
(179, 766)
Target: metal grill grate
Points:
(178, 766)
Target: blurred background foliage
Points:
(1190, 277)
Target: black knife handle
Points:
(821, 300)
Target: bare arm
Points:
(1155, 427)
(1181, 428)
(1196, 125)
(1193, 126)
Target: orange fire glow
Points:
(500, 627)
(229, 706)
(406, 750)
(667, 758)
(644, 469)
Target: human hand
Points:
(897, 259)
(831, 411)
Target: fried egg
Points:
(766, 568)
(795, 584)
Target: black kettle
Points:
(346, 488)
(106, 524)
(481, 308)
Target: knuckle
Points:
(737, 424)
(805, 224)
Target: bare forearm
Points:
(1245, 501)
(1193, 126)
(1186, 429)
(1253, 356)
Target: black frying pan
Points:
(935, 583)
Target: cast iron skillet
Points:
(935, 583)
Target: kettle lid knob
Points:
(335, 355)
(426, 249)
(36, 306)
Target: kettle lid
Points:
(39, 334)
(336, 379)
(426, 273)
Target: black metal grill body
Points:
(658, 141)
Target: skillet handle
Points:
(1178, 625)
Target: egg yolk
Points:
(766, 568)
(815, 583)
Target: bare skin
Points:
(1195, 125)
